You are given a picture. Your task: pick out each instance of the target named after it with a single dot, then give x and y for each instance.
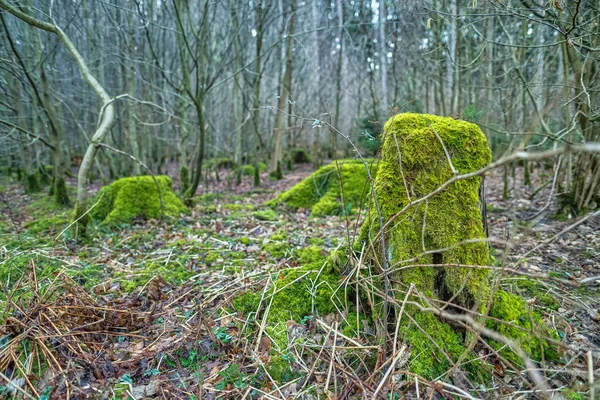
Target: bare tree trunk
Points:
(383, 58)
(489, 76)
(283, 96)
(236, 95)
(453, 66)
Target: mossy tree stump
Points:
(420, 153)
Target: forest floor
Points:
(145, 309)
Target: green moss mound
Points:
(321, 192)
(129, 198)
(511, 308)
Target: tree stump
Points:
(420, 153)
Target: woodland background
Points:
(193, 81)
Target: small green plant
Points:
(126, 378)
(471, 113)
(232, 375)
(151, 372)
(222, 334)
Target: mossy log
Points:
(129, 198)
(322, 193)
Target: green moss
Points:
(138, 276)
(265, 215)
(245, 241)
(54, 223)
(415, 163)
(248, 170)
(316, 241)
(426, 357)
(310, 254)
(513, 309)
(531, 288)
(277, 249)
(320, 192)
(211, 257)
(46, 215)
(450, 217)
(279, 236)
(296, 293)
(128, 198)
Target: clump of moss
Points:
(297, 293)
(277, 249)
(129, 198)
(248, 170)
(265, 215)
(513, 309)
(48, 224)
(321, 191)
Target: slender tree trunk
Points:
(383, 50)
(283, 96)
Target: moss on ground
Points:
(129, 198)
(321, 191)
(513, 309)
(248, 170)
(265, 215)
(295, 295)
(174, 273)
(47, 215)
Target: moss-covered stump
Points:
(129, 198)
(419, 154)
(415, 163)
(321, 191)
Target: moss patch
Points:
(513, 309)
(265, 215)
(128, 198)
(321, 192)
